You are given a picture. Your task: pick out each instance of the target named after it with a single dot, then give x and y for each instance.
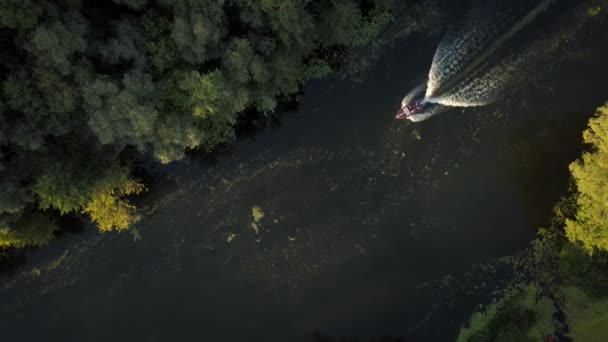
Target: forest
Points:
(89, 87)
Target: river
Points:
(371, 226)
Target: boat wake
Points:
(472, 66)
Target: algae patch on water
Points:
(136, 234)
(593, 11)
(416, 134)
(258, 215)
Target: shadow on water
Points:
(554, 125)
(12, 259)
(540, 172)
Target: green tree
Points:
(99, 193)
(56, 43)
(41, 102)
(33, 229)
(238, 59)
(122, 114)
(340, 20)
(19, 14)
(197, 28)
(160, 48)
(127, 45)
(588, 272)
(591, 175)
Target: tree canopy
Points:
(81, 81)
(591, 175)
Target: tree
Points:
(127, 45)
(160, 48)
(196, 28)
(33, 229)
(591, 175)
(97, 192)
(56, 43)
(341, 18)
(19, 14)
(122, 114)
(588, 272)
(107, 206)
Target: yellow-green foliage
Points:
(100, 195)
(257, 213)
(107, 207)
(32, 230)
(591, 175)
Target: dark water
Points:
(371, 226)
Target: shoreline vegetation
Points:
(90, 89)
(561, 289)
(92, 94)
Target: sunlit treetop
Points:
(591, 175)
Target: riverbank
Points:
(560, 289)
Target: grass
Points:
(587, 315)
(518, 316)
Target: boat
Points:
(412, 108)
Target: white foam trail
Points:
(415, 93)
(453, 52)
(482, 87)
(460, 75)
